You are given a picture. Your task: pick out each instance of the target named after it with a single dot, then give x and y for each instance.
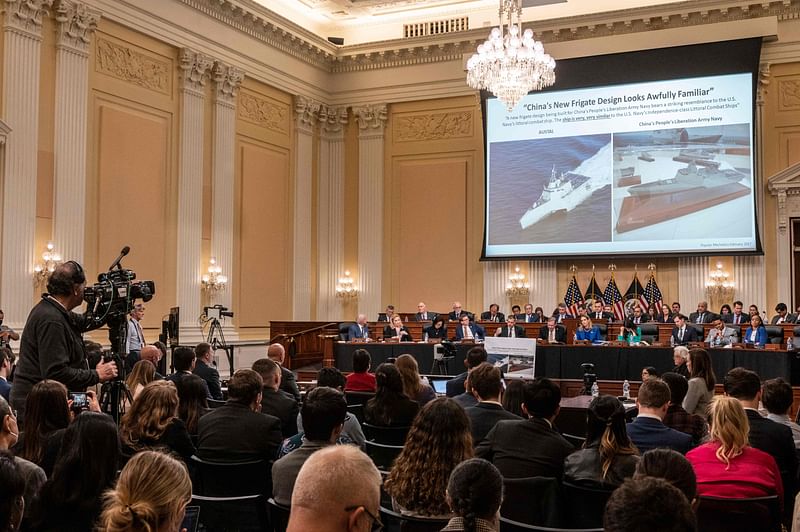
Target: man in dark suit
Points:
(467, 330)
(183, 362)
(475, 357)
(457, 312)
(6, 361)
(277, 353)
(561, 313)
(683, 333)
(423, 314)
(702, 315)
(737, 317)
(530, 316)
(238, 430)
(511, 329)
(782, 315)
(552, 332)
(771, 437)
(204, 369)
(639, 317)
(598, 314)
(493, 314)
(486, 383)
(274, 401)
(529, 447)
(359, 329)
(648, 430)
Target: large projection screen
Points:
(663, 164)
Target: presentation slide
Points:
(642, 168)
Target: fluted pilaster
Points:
(495, 275)
(371, 134)
(692, 275)
(544, 285)
(330, 232)
(751, 281)
(22, 34)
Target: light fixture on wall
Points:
(517, 285)
(719, 286)
(213, 281)
(346, 287)
(511, 63)
(42, 270)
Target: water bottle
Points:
(425, 337)
(718, 339)
(672, 341)
(626, 390)
(595, 389)
(789, 344)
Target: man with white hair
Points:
(337, 490)
(359, 329)
(277, 353)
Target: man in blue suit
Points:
(360, 329)
(466, 329)
(648, 430)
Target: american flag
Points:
(612, 297)
(652, 294)
(593, 291)
(635, 291)
(573, 298)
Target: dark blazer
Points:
(175, 438)
(604, 316)
(466, 400)
(431, 316)
(5, 389)
(498, 318)
(180, 375)
(233, 432)
(211, 376)
(455, 386)
(354, 331)
(708, 317)
(400, 414)
(790, 318)
(525, 448)
(689, 335)
(761, 335)
(648, 433)
(775, 439)
(477, 331)
(561, 334)
(289, 383)
(524, 318)
(519, 331)
(283, 406)
(729, 318)
(483, 417)
(433, 332)
(560, 317)
(389, 332)
(644, 318)
(452, 315)
(662, 319)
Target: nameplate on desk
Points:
(358, 340)
(468, 340)
(582, 342)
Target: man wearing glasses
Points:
(337, 490)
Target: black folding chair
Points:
(508, 525)
(385, 435)
(533, 500)
(583, 506)
(246, 513)
(395, 522)
(716, 514)
(358, 398)
(383, 456)
(358, 411)
(278, 515)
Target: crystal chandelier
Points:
(50, 260)
(214, 281)
(346, 287)
(510, 65)
(517, 285)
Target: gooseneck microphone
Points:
(124, 251)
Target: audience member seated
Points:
(238, 431)
(47, 413)
(153, 422)
(553, 333)
(466, 330)
(514, 397)
(6, 365)
(673, 467)
(756, 334)
(32, 474)
(493, 314)
(151, 495)
(153, 354)
(727, 466)
(437, 329)
(682, 333)
(648, 504)
(390, 406)
(361, 380)
(277, 353)
(608, 457)
(143, 373)
(12, 496)
(324, 410)
(466, 399)
(475, 356)
(274, 401)
(204, 368)
(680, 357)
(438, 441)
(474, 494)
(679, 419)
(701, 383)
(487, 387)
(183, 362)
(649, 372)
(397, 330)
(648, 430)
(192, 402)
(337, 489)
(413, 385)
(529, 447)
(87, 464)
(776, 396)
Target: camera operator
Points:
(52, 346)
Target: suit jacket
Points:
(525, 448)
(354, 331)
(5, 388)
(211, 376)
(761, 336)
(233, 432)
(708, 317)
(180, 375)
(729, 335)
(285, 470)
(433, 332)
(289, 383)
(604, 316)
(283, 406)
(593, 334)
(477, 332)
(466, 400)
(561, 334)
(789, 318)
(431, 316)
(775, 439)
(452, 315)
(662, 319)
(729, 318)
(498, 318)
(524, 318)
(455, 386)
(644, 318)
(689, 335)
(648, 433)
(389, 332)
(483, 417)
(519, 331)
(560, 317)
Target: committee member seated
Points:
(423, 314)
(469, 331)
(721, 334)
(361, 380)
(737, 317)
(510, 329)
(455, 314)
(639, 316)
(387, 314)
(359, 329)
(702, 315)
(782, 315)
(648, 430)
(475, 356)
(561, 313)
(756, 334)
(599, 314)
(682, 333)
(438, 329)
(493, 314)
(552, 332)
(397, 330)
(529, 316)
(588, 331)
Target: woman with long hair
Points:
(665, 316)
(439, 440)
(756, 334)
(390, 406)
(587, 330)
(413, 386)
(608, 456)
(727, 466)
(12, 496)
(153, 422)
(192, 401)
(150, 496)
(474, 493)
(143, 372)
(513, 397)
(437, 329)
(86, 466)
(46, 412)
(701, 382)
(397, 330)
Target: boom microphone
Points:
(124, 251)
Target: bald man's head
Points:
(276, 352)
(151, 353)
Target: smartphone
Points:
(79, 400)
(191, 519)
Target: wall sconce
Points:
(517, 285)
(214, 281)
(718, 284)
(42, 271)
(346, 287)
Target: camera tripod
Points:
(215, 335)
(115, 395)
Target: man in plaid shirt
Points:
(678, 418)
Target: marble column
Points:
(544, 285)
(306, 114)
(751, 281)
(195, 69)
(692, 276)
(371, 135)
(330, 219)
(75, 25)
(22, 34)
(227, 80)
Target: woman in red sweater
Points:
(360, 380)
(727, 466)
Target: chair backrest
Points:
(716, 514)
(358, 411)
(278, 515)
(603, 328)
(583, 506)
(230, 479)
(214, 403)
(343, 330)
(509, 525)
(774, 334)
(406, 523)
(383, 456)
(232, 514)
(649, 330)
(358, 398)
(697, 327)
(385, 435)
(533, 500)
(576, 441)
